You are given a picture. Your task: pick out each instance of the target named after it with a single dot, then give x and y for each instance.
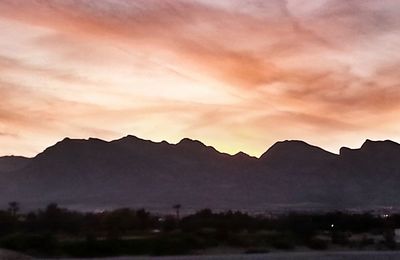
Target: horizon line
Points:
(203, 143)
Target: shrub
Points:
(317, 244)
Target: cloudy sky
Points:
(238, 74)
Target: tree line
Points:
(56, 231)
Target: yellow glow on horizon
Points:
(237, 76)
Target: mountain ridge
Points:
(186, 139)
(93, 173)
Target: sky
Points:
(239, 75)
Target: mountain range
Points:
(94, 174)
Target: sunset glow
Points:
(237, 75)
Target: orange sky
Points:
(238, 74)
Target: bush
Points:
(317, 244)
(36, 244)
(283, 241)
(340, 238)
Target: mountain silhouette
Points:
(299, 153)
(91, 173)
(12, 163)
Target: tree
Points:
(177, 208)
(13, 208)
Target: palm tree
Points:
(177, 208)
(13, 208)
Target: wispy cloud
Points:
(248, 72)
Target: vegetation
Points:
(55, 231)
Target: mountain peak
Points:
(295, 150)
(292, 146)
(385, 147)
(243, 156)
(368, 144)
(68, 140)
(129, 139)
(195, 146)
(65, 140)
(190, 142)
(293, 143)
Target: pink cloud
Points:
(321, 68)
